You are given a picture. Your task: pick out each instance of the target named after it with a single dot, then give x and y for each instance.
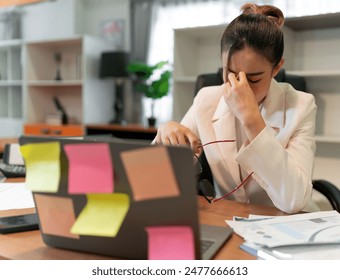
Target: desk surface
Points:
(29, 245)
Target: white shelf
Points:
(322, 21)
(55, 83)
(188, 79)
(10, 83)
(11, 43)
(85, 97)
(315, 74)
(327, 139)
(11, 88)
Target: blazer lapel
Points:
(273, 111)
(224, 127)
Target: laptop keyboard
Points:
(205, 245)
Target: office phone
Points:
(12, 165)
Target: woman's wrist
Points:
(253, 126)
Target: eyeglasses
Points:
(204, 186)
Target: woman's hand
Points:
(240, 97)
(242, 102)
(173, 133)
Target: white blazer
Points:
(281, 156)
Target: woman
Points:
(273, 124)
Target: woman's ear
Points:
(278, 67)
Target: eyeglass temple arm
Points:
(214, 142)
(234, 190)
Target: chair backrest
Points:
(210, 79)
(205, 80)
(213, 79)
(298, 82)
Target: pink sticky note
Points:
(90, 168)
(170, 243)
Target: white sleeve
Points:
(284, 170)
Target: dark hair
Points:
(258, 27)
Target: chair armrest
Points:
(330, 191)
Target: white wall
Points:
(48, 20)
(98, 11)
(65, 18)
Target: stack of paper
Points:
(302, 236)
(15, 196)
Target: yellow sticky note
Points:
(103, 215)
(42, 162)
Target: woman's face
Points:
(258, 69)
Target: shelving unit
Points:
(76, 84)
(312, 46)
(196, 51)
(312, 51)
(10, 88)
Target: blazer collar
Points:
(272, 110)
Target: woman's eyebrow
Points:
(248, 74)
(255, 73)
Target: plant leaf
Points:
(158, 88)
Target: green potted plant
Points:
(151, 80)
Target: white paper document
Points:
(316, 227)
(301, 252)
(15, 196)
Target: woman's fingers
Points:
(172, 133)
(232, 79)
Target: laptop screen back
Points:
(122, 199)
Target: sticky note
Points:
(103, 215)
(42, 162)
(90, 168)
(150, 173)
(170, 243)
(56, 215)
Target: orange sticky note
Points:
(56, 215)
(90, 168)
(150, 173)
(170, 243)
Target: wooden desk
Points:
(29, 245)
(129, 131)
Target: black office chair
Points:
(326, 188)
(213, 79)
(330, 191)
(298, 82)
(206, 80)
(210, 79)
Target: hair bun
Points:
(273, 13)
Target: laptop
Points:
(154, 212)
